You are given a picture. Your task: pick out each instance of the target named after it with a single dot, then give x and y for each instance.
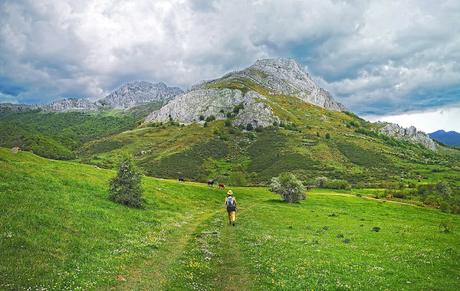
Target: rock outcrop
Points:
(137, 93)
(410, 134)
(10, 107)
(70, 104)
(189, 107)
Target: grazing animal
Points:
(221, 186)
(210, 183)
(181, 179)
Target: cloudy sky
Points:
(394, 59)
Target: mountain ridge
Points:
(450, 138)
(127, 96)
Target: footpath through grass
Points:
(59, 231)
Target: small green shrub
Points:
(228, 123)
(338, 184)
(444, 206)
(323, 182)
(289, 187)
(237, 108)
(201, 117)
(444, 189)
(210, 118)
(126, 188)
(249, 127)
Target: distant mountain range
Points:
(450, 138)
(127, 96)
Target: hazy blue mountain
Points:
(451, 138)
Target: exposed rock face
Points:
(411, 134)
(286, 77)
(137, 93)
(188, 108)
(70, 104)
(10, 107)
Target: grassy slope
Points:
(59, 231)
(192, 151)
(58, 135)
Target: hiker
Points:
(230, 202)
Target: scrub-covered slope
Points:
(252, 125)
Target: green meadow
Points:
(59, 231)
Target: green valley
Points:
(59, 231)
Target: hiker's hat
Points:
(230, 192)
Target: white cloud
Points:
(428, 121)
(376, 56)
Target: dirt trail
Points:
(153, 274)
(233, 272)
(232, 269)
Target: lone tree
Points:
(289, 187)
(126, 187)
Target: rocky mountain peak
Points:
(139, 92)
(287, 77)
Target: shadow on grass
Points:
(280, 202)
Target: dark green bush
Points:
(126, 187)
(237, 108)
(338, 184)
(210, 118)
(444, 189)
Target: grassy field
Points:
(58, 231)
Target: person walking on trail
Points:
(230, 202)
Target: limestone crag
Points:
(188, 108)
(70, 104)
(410, 134)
